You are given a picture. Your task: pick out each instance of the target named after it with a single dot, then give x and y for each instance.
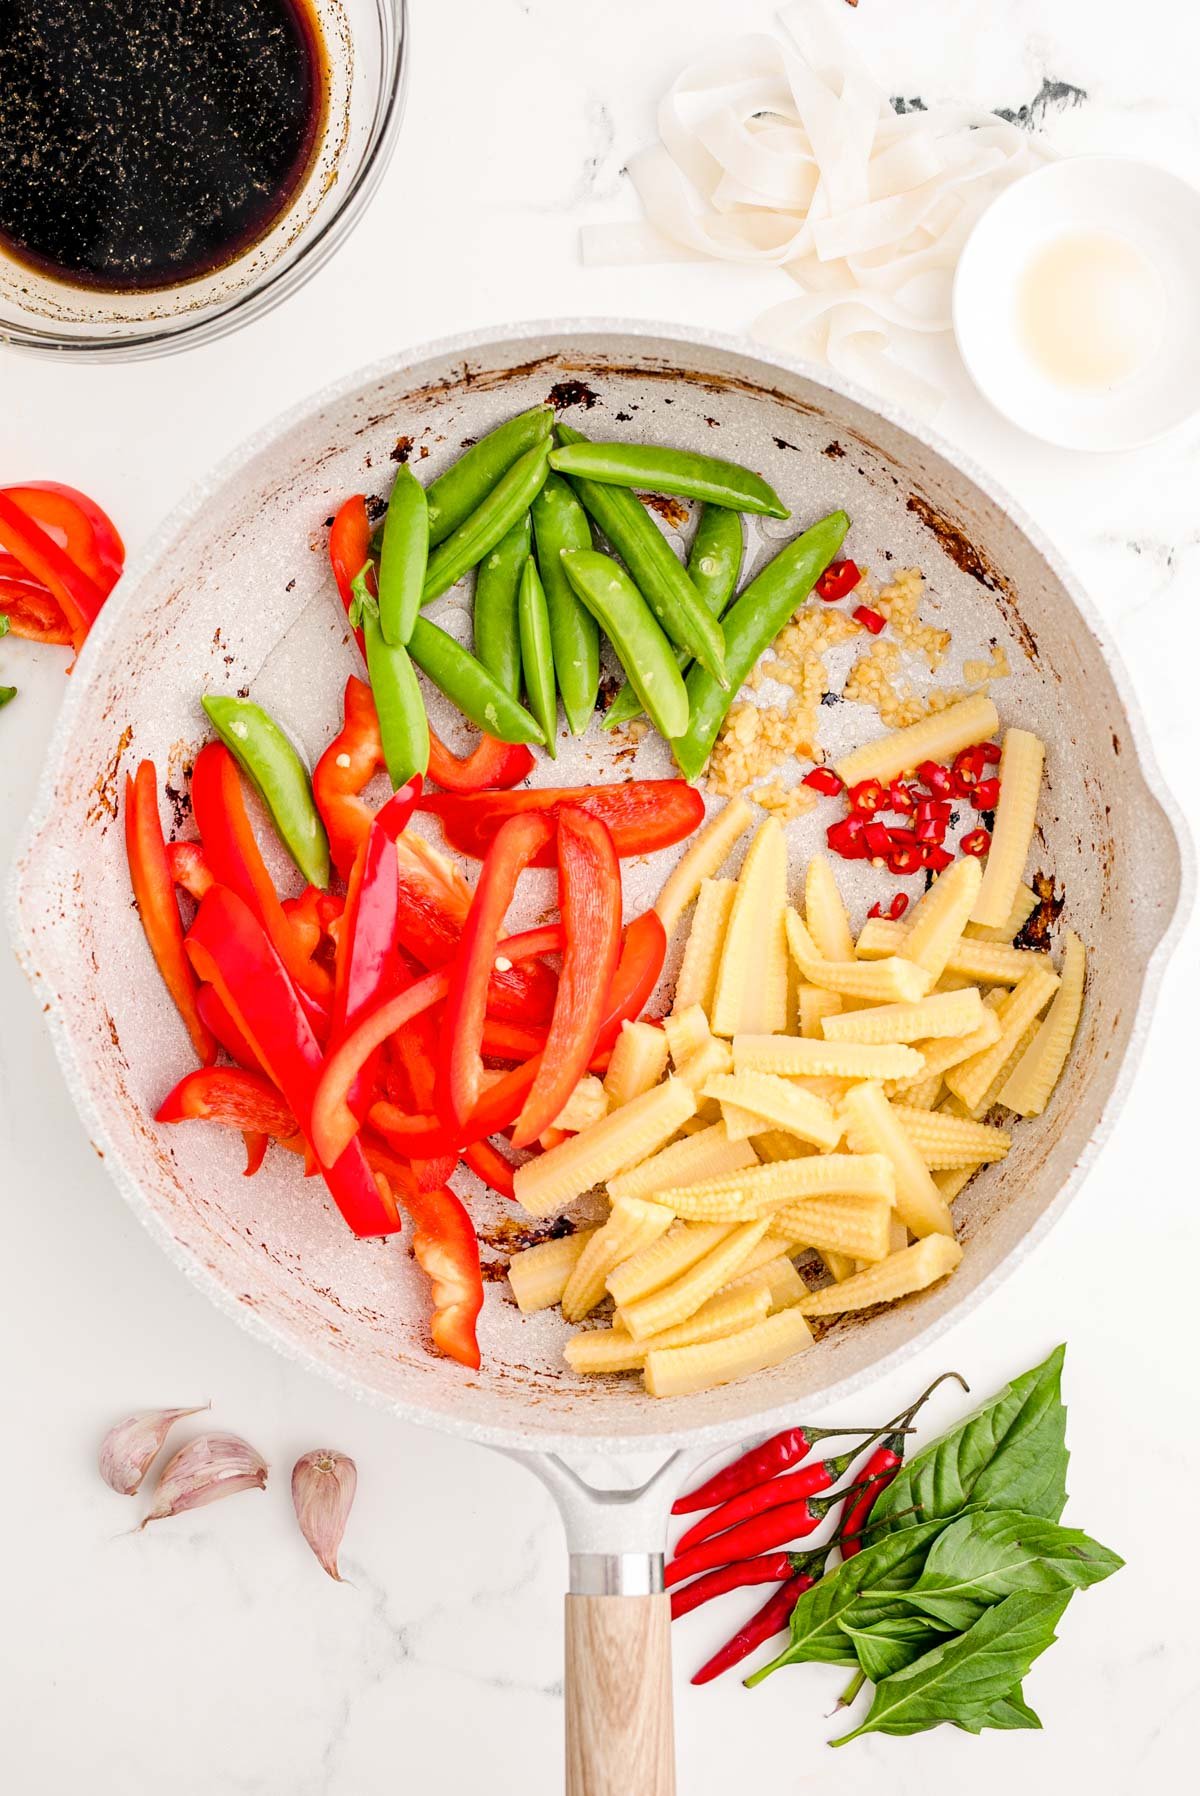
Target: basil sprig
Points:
(965, 1581)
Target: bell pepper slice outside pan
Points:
(230, 950)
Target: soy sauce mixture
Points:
(147, 142)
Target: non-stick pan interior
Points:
(238, 596)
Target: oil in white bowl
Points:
(1090, 310)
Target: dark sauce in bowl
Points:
(145, 143)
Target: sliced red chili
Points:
(839, 578)
(935, 778)
(901, 799)
(976, 842)
(904, 859)
(846, 838)
(866, 798)
(935, 858)
(874, 621)
(823, 779)
(990, 752)
(986, 795)
(877, 839)
(929, 829)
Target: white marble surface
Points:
(211, 1656)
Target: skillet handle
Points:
(619, 1726)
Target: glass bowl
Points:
(366, 44)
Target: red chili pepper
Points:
(990, 752)
(935, 858)
(904, 859)
(447, 1251)
(772, 1493)
(489, 766)
(935, 778)
(846, 838)
(879, 1471)
(969, 765)
(930, 829)
(933, 810)
(763, 1625)
(866, 798)
(901, 799)
(229, 948)
(877, 839)
(874, 621)
(641, 815)
(230, 1095)
(236, 862)
(154, 889)
(976, 842)
(461, 1066)
(895, 909)
(839, 578)
(589, 898)
(758, 1535)
(824, 779)
(768, 1568)
(986, 795)
(489, 1164)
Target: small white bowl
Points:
(1156, 217)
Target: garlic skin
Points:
(129, 1446)
(323, 1486)
(210, 1467)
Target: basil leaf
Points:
(890, 1644)
(816, 1619)
(963, 1678)
(1011, 1454)
(1009, 1711)
(987, 1556)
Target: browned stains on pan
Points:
(671, 511)
(954, 542)
(1039, 926)
(104, 787)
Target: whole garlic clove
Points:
(210, 1467)
(323, 1486)
(129, 1446)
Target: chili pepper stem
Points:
(906, 1415)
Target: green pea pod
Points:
(280, 778)
(497, 583)
(751, 625)
(656, 570)
(454, 495)
(714, 563)
(403, 557)
(491, 520)
(467, 683)
(559, 525)
(403, 725)
(628, 622)
(537, 654)
(679, 471)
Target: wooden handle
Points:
(620, 1735)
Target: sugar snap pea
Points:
(752, 623)
(467, 683)
(537, 654)
(680, 471)
(491, 520)
(403, 725)
(628, 622)
(497, 584)
(280, 778)
(454, 495)
(403, 557)
(714, 563)
(559, 525)
(656, 570)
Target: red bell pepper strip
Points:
(641, 815)
(489, 1164)
(154, 889)
(32, 612)
(189, 868)
(490, 765)
(429, 926)
(229, 1036)
(348, 765)
(447, 1252)
(393, 817)
(589, 888)
(256, 1151)
(77, 524)
(40, 556)
(230, 949)
(642, 955)
(233, 855)
(230, 1095)
(461, 1062)
(510, 1041)
(367, 969)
